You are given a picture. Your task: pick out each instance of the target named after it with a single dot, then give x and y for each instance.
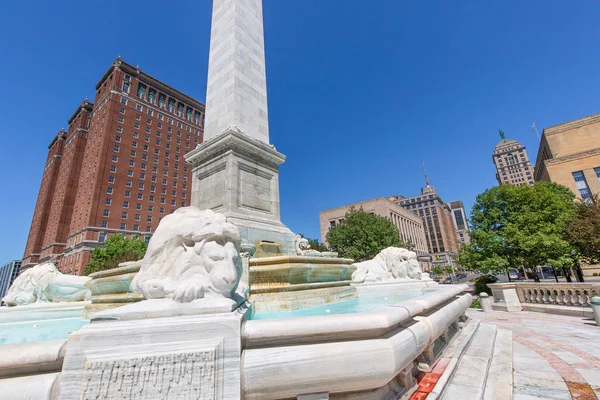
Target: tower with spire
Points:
(512, 163)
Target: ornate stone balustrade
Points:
(564, 294)
(559, 298)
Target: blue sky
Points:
(360, 92)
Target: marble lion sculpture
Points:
(44, 283)
(193, 254)
(392, 263)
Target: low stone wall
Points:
(367, 355)
(556, 298)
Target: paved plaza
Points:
(522, 356)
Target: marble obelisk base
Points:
(238, 176)
(186, 357)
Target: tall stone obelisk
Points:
(235, 170)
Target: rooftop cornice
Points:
(142, 76)
(570, 157)
(577, 123)
(85, 105)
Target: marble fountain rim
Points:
(369, 324)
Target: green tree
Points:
(438, 270)
(117, 249)
(514, 226)
(583, 231)
(362, 235)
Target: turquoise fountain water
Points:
(40, 330)
(360, 304)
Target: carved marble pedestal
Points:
(187, 357)
(237, 175)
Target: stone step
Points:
(468, 380)
(499, 384)
(453, 353)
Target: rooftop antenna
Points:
(425, 172)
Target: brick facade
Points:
(121, 168)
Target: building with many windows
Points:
(512, 163)
(8, 274)
(569, 155)
(441, 234)
(119, 168)
(408, 224)
(461, 223)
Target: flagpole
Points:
(534, 128)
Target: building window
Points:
(152, 96)
(117, 138)
(116, 147)
(134, 144)
(122, 111)
(125, 204)
(180, 108)
(141, 93)
(148, 228)
(127, 193)
(115, 158)
(107, 201)
(102, 235)
(106, 213)
(150, 208)
(149, 218)
(113, 168)
(581, 185)
(124, 215)
(136, 227)
(128, 182)
(111, 179)
(140, 196)
(123, 101)
(109, 190)
(331, 224)
(597, 171)
(139, 107)
(171, 107)
(137, 217)
(119, 129)
(123, 226)
(126, 83)
(162, 99)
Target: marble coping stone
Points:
(31, 358)
(116, 271)
(299, 299)
(286, 273)
(111, 284)
(321, 328)
(343, 366)
(33, 387)
(43, 311)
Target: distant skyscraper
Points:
(119, 168)
(512, 163)
(8, 274)
(440, 231)
(461, 225)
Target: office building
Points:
(461, 223)
(569, 155)
(8, 274)
(408, 224)
(512, 163)
(118, 168)
(437, 219)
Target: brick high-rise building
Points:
(440, 232)
(118, 169)
(512, 163)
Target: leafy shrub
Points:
(482, 282)
(595, 274)
(475, 304)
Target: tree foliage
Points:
(117, 249)
(583, 231)
(363, 235)
(519, 225)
